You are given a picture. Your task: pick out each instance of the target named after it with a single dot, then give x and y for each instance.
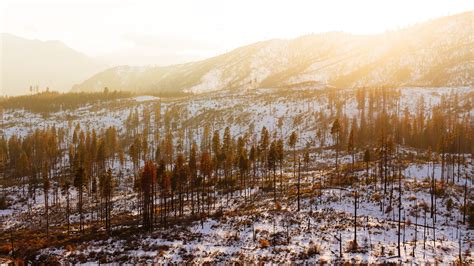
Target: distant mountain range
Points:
(439, 52)
(25, 63)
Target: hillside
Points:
(250, 209)
(52, 64)
(435, 53)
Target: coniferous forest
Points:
(320, 175)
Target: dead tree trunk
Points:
(355, 220)
(299, 183)
(399, 209)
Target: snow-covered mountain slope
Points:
(435, 53)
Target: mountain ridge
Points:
(434, 53)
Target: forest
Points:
(51, 101)
(164, 169)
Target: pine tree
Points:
(306, 157)
(79, 179)
(263, 146)
(280, 125)
(157, 116)
(272, 162)
(144, 145)
(367, 161)
(299, 184)
(65, 186)
(169, 148)
(354, 242)
(106, 185)
(148, 180)
(101, 156)
(216, 150)
(206, 172)
(205, 139)
(180, 173)
(192, 163)
(292, 143)
(244, 168)
(253, 160)
(227, 155)
(350, 145)
(165, 189)
(335, 131)
(46, 186)
(281, 157)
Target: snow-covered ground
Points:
(242, 112)
(251, 230)
(310, 235)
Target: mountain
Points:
(51, 64)
(435, 53)
(117, 59)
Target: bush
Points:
(313, 249)
(264, 243)
(70, 248)
(449, 204)
(423, 206)
(440, 190)
(3, 203)
(352, 246)
(412, 198)
(376, 197)
(277, 206)
(5, 249)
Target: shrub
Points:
(277, 206)
(3, 203)
(412, 198)
(352, 246)
(440, 190)
(376, 197)
(467, 253)
(264, 243)
(5, 249)
(449, 204)
(313, 249)
(423, 205)
(70, 248)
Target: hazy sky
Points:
(204, 28)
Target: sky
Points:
(143, 32)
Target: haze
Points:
(166, 32)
